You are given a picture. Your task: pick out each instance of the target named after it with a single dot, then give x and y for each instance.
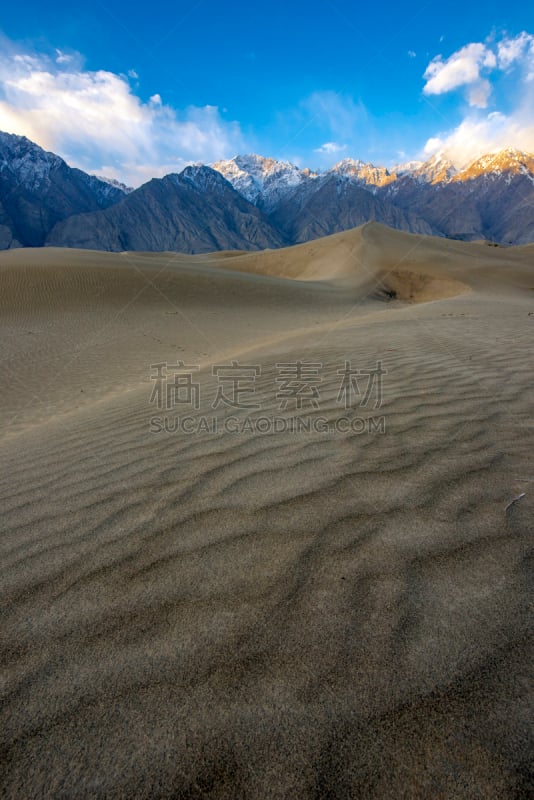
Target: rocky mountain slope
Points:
(38, 189)
(196, 211)
(492, 198)
(363, 173)
(336, 203)
(252, 202)
(263, 181)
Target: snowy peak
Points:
(262, 181)
(30, 163)
(201, 178)
(36, 170)
(361, 172)
(38, 189)
(508, 162)
(437, 169)
(349, 166)
(266, 181)
(114, 183)
(105, 192)
(406, 168)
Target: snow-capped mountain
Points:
(114, 183)
(266, 182)
(363, 173)
(31, 164)
(508, 163)
(263, 181)
(202, 178)
(38, 189)
(405, 168)
(492, 198)
(438, 169)
(250, 201)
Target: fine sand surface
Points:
(323, 614)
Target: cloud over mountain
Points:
(490, 122)
(463, 68)
(101, 122)
(96, 120)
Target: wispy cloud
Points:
(96, 121)
(330, 148)
(510, 51)
(336, 113)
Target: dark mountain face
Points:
(37, 189)
(336, 204)
(197, 211)
(492, 198)
(44, 201)
(498, 207)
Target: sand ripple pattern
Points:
(276, 616)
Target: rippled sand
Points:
(313, 615)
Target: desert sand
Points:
(267, 615)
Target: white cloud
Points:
(463, 68)
(412, 54)
(94, 119)
(478, 94)
(481, 132)
(470, 67)
(476, 136)
(330, 148)
(510, 51)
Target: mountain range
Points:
(251, 202)
(193, 212)
(38, 189)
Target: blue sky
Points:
(139, 90)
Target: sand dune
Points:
(281, 615)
